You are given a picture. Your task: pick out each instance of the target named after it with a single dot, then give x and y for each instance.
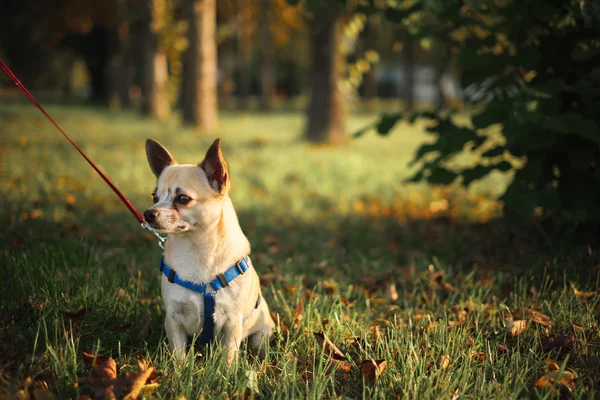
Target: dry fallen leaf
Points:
(103, 376)
(328, 346)
(390, 293)
(139, 381)
(478, 356)
(444, 361)
(532, 315)
(584, 296)
(77, 314)
(565, 381)
(552, 366)
(516, 327)
(330, 288)
(342, 365)
(372, 369)
(375, 333)
(298, 314)
(449, 288)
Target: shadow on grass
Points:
(99, 285)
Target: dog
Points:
(205, 264)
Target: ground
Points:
(423, 278)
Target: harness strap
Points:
(208, 330)
(223, 280)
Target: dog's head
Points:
(187, 197)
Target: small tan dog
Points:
(208, 282)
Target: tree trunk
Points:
(227, 62)
(409, 62)
(244, 54)
(96, 51)
(125, 54)
(267, 71)
(121, 71)
(156, 76)
(200, 65)
(326, 109)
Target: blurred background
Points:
(162, 56)
(496, 100)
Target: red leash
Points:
(18, 84)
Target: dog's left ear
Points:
(216, 169)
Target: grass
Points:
(334, 228)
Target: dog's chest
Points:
(187, 307)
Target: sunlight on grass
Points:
(385, 269)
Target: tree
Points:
(267, 67)
(200, 65)
(244, 48)
(532, 69)
(155, 72)
(325, 113)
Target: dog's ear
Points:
(216, 169)
(159, 158)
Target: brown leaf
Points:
(478, 356)
(328, 346)
(372, 369)
(390, 293)
(552, 366)
(140, 381)
(375, 333)
(103, 376)
(449, 288)
(565, 381)
(515, 328)
(583, 296)
(342, 365)
(329, 287)
(532, 315)
(77, 314)
(444, 361)
(103, 367)
(298, 314)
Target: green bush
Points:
(535, 66)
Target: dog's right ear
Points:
(159, 158)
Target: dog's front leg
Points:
(177, 337)
(231, 337)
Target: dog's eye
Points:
(154, 198)
(183, 199)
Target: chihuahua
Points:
(208, 281)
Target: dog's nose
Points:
(150, 215)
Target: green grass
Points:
(331, 226)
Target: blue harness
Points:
(222, 281)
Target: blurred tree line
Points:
(529, 75)
(199, 55)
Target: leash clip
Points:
(161, 240)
